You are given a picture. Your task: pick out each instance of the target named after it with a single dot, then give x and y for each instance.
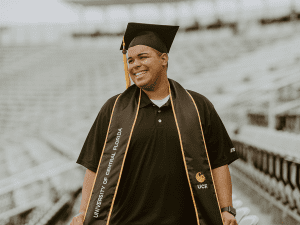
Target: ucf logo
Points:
(201, 178)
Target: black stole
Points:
(193, 148)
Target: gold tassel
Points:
(127, 78)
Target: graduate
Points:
(157, 154)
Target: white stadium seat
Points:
(237, 203)
(249, 220)
(241, 212)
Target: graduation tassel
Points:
(127, 78)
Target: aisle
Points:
(248, 200)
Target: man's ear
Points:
(165, 57)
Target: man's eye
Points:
(140, 58)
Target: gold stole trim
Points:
(112, 204)
(123, 159)
(184, 161)
(206, 154)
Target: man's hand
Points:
(228, 219)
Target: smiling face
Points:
(140, 58)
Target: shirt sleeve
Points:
(220, 148)
(92, 148)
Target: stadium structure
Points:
(245, 61)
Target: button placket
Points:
(159, 116)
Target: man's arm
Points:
(222, 180)
(86, 189)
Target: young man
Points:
(157, 153)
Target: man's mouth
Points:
(141, 73)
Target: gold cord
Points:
(127, 78)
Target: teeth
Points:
(141, 73)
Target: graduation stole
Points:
(193, 149)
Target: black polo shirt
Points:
(154, 188)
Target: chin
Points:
(144, 86)
(147, 87)
(142, 83)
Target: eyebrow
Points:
(138, 55)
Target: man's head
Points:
(152, 62)
(148, 46)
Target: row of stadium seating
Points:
(286, 111)
(82, 75)
(251, 83)
(273, 164)
(37, 177)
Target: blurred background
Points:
(60, 61)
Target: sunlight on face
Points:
(144, 59)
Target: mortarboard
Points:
(159, 37)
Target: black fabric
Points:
(150, 39)
(154, 187)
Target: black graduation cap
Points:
(159, 37)
(143, 34)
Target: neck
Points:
(161, 90)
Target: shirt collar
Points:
(145, 101)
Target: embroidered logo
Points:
(232, 150)
(200, 177)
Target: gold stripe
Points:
(184, 161)
(206, 153)
(127, 78)
(112, 204)
(101, 155)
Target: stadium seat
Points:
(278, 172)
(266, 178)
(283, 196)
(283, 185)
(296, 192)
(249, 220)
(250, 161)
(292, 185)
(289, 186)
(271, 172)
(241, 212)
(296, 197)
(256, 165)
(259, 167)
(257, 176)
(237, 203)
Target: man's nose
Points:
(137, 63)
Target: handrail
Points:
(287, 106)
(54, 210)
(294, 78)
(48, 172)
(282, 143)
(23, 208)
